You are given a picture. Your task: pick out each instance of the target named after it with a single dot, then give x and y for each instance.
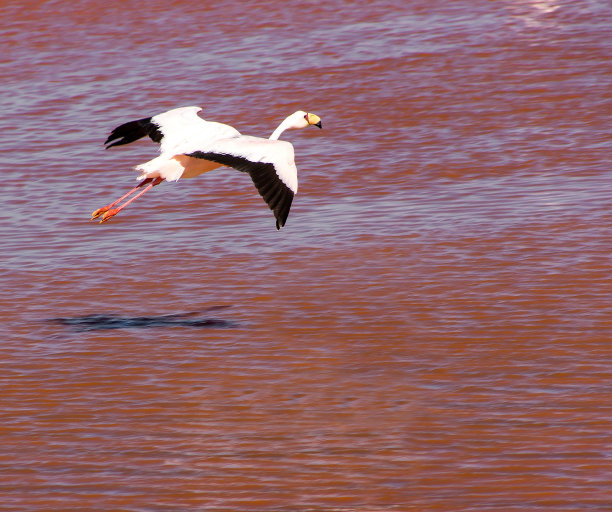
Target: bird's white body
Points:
(191, 146)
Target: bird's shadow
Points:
(98, 322)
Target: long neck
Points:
(281, 128)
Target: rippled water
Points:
(431, 329)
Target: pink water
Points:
(431, 329)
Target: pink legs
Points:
(108, 211)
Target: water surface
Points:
(431, 329)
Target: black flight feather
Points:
(134, 130)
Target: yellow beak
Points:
(314, 120)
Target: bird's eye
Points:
(306, 117)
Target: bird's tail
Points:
(163, 167)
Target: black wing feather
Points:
(134, 130)
(275, 193)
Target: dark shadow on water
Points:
(98, 322)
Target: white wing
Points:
(177, 131)
(183, 130)
(270, 163)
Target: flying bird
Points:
(190, 146)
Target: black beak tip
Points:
(318, 125)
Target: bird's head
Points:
(301, 119)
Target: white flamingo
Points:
(190, 146)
